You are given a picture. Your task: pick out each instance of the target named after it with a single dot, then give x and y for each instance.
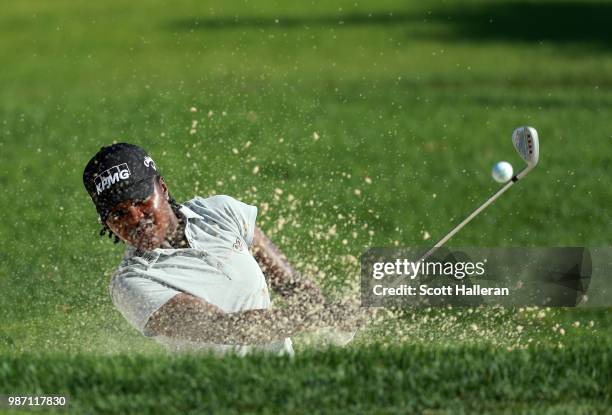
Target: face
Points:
(145, 223)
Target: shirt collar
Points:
(189, 214)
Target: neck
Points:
(177, 238)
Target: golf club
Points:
(526, 142)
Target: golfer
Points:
(194, 275)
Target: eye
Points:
(117, 214)
(141, 202)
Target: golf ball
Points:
(502, 171)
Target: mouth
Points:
(144, 234)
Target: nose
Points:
(134, 215)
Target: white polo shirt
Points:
(217, 267)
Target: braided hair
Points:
(173, 204)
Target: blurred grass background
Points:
(349, 124)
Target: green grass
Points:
(419, 98)
(390, 380)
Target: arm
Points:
(187, 317)
(283, 279)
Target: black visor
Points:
(117, 173)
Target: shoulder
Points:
(217, 205)
(211, 202)
(225, 212)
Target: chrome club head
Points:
(525, 140)
(527, 143)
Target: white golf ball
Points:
(502, 171)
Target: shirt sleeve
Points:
(137, 298)
(239, 216)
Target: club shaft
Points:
(467, 220)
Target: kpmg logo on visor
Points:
(111, 176)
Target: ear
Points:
(163, 187)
